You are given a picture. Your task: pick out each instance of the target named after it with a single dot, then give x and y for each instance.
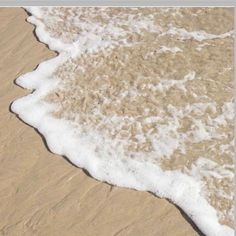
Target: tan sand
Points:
(42, 193)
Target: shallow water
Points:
(141, 98)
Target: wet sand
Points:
(42, 193)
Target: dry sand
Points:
(42, 193)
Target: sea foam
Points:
(106, 159)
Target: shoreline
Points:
(44, 194)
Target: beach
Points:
(43, 193)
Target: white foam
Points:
(183, 34)
(62, 137)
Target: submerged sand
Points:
(42, 193)
(165, 97)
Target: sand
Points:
(42, 193)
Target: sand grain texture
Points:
(43, 194)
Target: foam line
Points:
(62, 139)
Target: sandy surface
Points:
(42, 193)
